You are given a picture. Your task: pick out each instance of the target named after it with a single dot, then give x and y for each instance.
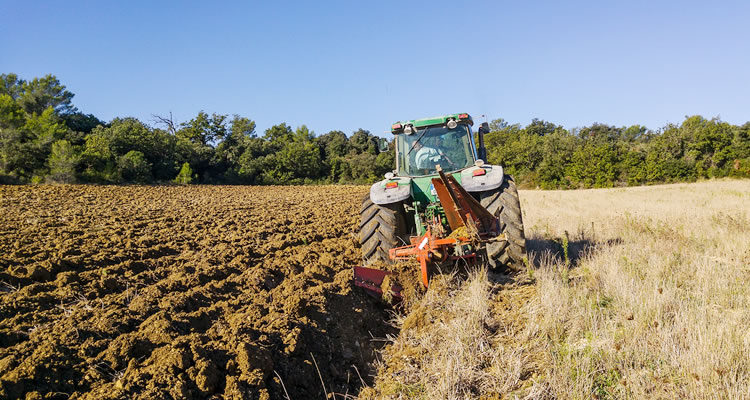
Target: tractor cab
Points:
(425, 146)
(422, 145)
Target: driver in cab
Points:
(428, 157)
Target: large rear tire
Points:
(503, 203)
(381, 228)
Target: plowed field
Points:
(182, 292)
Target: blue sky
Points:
(350, 64)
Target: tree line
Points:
(549, 156)
(45, 139)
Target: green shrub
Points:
(133, 167)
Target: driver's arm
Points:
(426, 158)
(422, 158)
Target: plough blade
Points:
(371, 280)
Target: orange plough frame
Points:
(426, 249)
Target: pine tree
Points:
(185, 176)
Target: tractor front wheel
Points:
(381, 228)
(503, 203)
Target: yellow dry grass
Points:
(459, 341)
(630, 293)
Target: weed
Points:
(566, 248)
(604, 301)
(529, 269)
(605, 384)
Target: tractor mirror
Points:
(482, 151)
(382, 145)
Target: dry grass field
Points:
(629, 293)
(160, 292)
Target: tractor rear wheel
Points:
(503, 203)
(381, 228)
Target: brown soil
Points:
(182, 292)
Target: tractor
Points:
(443, 203)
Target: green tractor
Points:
(441, 190)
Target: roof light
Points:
(391, 185)
(479, 172)
(396, 127)
(463, 116)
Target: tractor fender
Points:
(472, 181)
(379, 194)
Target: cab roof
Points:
(398, 127)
